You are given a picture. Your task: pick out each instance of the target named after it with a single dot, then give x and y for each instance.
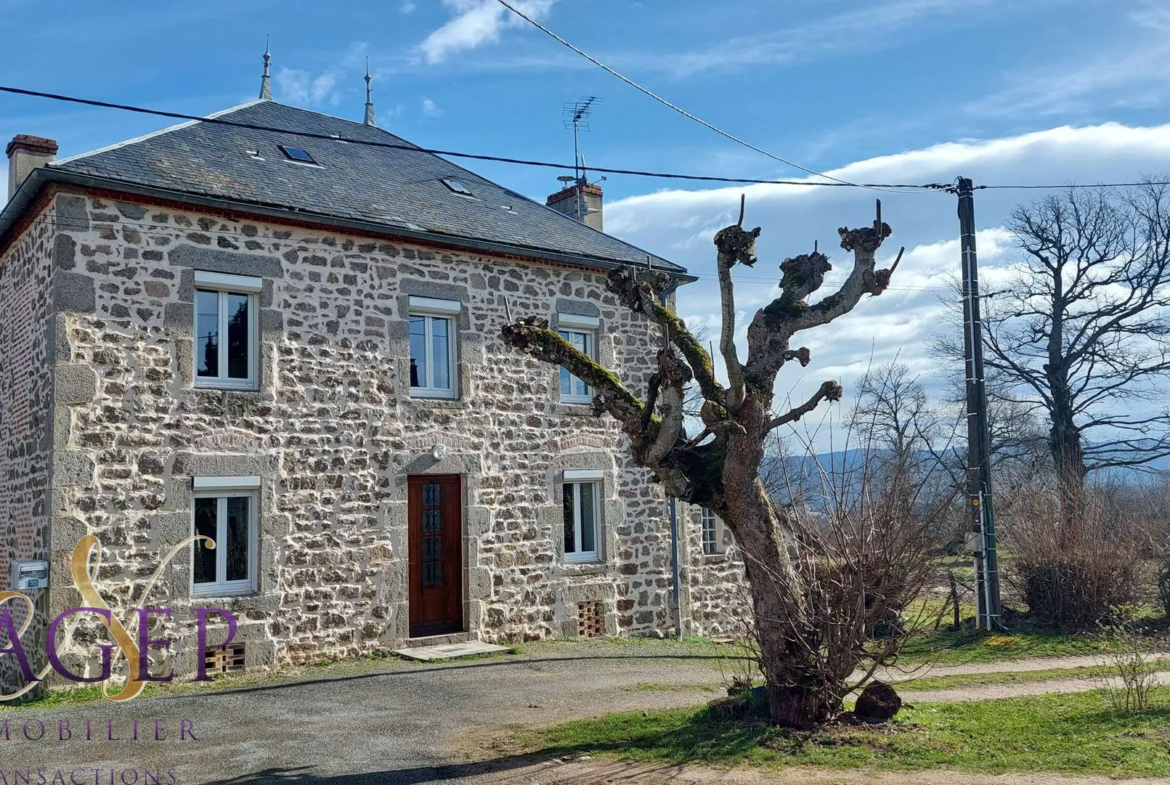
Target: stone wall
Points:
(26, 395)
(334, 433)
(716, 598)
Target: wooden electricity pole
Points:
(978, 433)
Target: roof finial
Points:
(369, 97)
(266, 80)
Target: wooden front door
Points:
(436, 555)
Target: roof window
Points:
(297, 154)
(457, 187)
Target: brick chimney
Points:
(580, 200)
(26, 153)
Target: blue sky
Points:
(917, 90)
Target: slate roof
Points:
(374, 185)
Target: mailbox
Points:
(29, 575)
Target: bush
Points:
(1164, 586)
(1073, 572)
(1076, 592)
(1133, 668)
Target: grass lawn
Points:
(1057, 733)
(1009, 677)
(948, 647)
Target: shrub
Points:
(1133, 670)
(1164, 586)
(1075, 592)
(1073, 573)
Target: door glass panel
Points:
(570, 538)
(205, 525)
(441, 352)
(588, 520)
(237, 336)
(418, 351)
(207, 333)
(432, 536)
(237, 538)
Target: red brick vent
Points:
(590, 619)
(226, 660)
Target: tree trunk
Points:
(1068, 459)
(788, 643)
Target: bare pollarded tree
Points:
(806, 660)
(1081, 329)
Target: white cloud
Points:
(874, 26)
(1131, 74)
(302, 88)
(476, 22)
(901, 322)
(407, 8)
(430, 109)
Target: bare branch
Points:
(640, 293)
(735, 246)
(829, 390)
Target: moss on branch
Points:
(533, 336)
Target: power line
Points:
(1066, 185)
(896, 187)
(679, 109)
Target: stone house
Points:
(282, 331)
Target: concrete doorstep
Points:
(450, 651)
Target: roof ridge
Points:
(160, 132)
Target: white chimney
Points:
(26, 153)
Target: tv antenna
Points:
(576, 116)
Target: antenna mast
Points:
(576, 116)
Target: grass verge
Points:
(958, 681)
(947, 647)
(1056, 733)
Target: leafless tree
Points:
(1080, 331)
(910, 441)
(720, 468)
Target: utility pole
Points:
(978, 433)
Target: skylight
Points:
(457, 187)
(297, 154)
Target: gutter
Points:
(26, 195)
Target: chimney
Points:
(26, 153)
(580, 200)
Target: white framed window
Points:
(581, 498)
(434, 326)
(226, 510)
(226, 333)
(581, 332)
(712, 533)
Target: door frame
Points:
(453, 549)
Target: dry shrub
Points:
(1074, 572)
(1164, 586)
(864, 534)
(1133, 669)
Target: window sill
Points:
(584, 568)
(570, 409)
(249, 601)
(437, 403)
(249, 387)
(715, 558)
